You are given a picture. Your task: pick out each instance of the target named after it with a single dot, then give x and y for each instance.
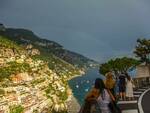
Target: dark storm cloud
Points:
(4, 3)
(100, 29)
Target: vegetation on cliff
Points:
(33, 82)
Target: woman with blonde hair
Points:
(110, 82)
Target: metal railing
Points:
(141, 82)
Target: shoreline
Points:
(72, 103)
(74, 76)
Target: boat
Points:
(87, 81)
(77, 86)
(87, 89)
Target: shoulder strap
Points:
(111, 95)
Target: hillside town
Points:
(31, 86)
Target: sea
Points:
(82, 84)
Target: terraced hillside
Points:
(30, 82)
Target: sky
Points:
(98, 29)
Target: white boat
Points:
(87, 90)
(87, 81)
(77, 86)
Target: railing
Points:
(141, 82)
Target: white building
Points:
(2, 27)
(142, 71)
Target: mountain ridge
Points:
(25, 36)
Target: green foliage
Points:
(13, 68)
(16, 109)
(104, 68)
(35, 82)
(63, 96)
(142, 50)
(57, 65)
(118, 65)
(8, 44)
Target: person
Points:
(110, 83)
(117, 88)
(122, 86)
(129, 88)
(97, 100)
(90, 103)
(104, 98)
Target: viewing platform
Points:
(140, 102)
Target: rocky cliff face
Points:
(28, 84)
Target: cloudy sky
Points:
(99, 29)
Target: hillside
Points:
(32, 83)
(47, 47)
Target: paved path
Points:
(146, 102)
(132, 106)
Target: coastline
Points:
(72, 77)
(72, 102)
(73, 105)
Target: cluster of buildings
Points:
(28, 98)
(38, 88)
(29, 89)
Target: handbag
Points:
(90, 108)
(114, 108)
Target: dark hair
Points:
(99, 84)
(128, 77)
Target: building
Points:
(2, 27)
(35, 52)
(21, 77)
(142, 71)
(142, 77)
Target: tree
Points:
(16, 109)
(104, 68)
(142, 50)
(118, 65)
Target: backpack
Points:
(114, 108)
